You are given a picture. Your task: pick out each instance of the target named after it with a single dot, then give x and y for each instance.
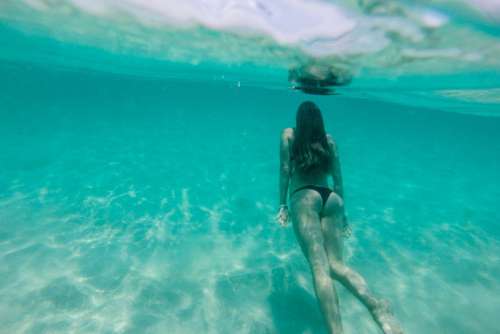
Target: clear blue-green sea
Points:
(139, 163)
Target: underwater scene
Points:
(140, 156)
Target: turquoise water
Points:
(138, 188)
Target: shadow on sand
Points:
(294, 310)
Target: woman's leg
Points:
(331, 225)
(305, 208)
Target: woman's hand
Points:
(346, 228)
(282, 216)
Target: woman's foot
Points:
(383, 316)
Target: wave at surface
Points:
(362, 33)
(380, 42)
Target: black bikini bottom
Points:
(323, 191)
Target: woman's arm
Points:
(284, 164)
(336, 172)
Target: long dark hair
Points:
(310, 148)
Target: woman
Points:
(308, 155)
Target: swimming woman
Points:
(308, 156)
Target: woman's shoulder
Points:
(287, 133)
(331, 141)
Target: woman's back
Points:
(299, 178)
